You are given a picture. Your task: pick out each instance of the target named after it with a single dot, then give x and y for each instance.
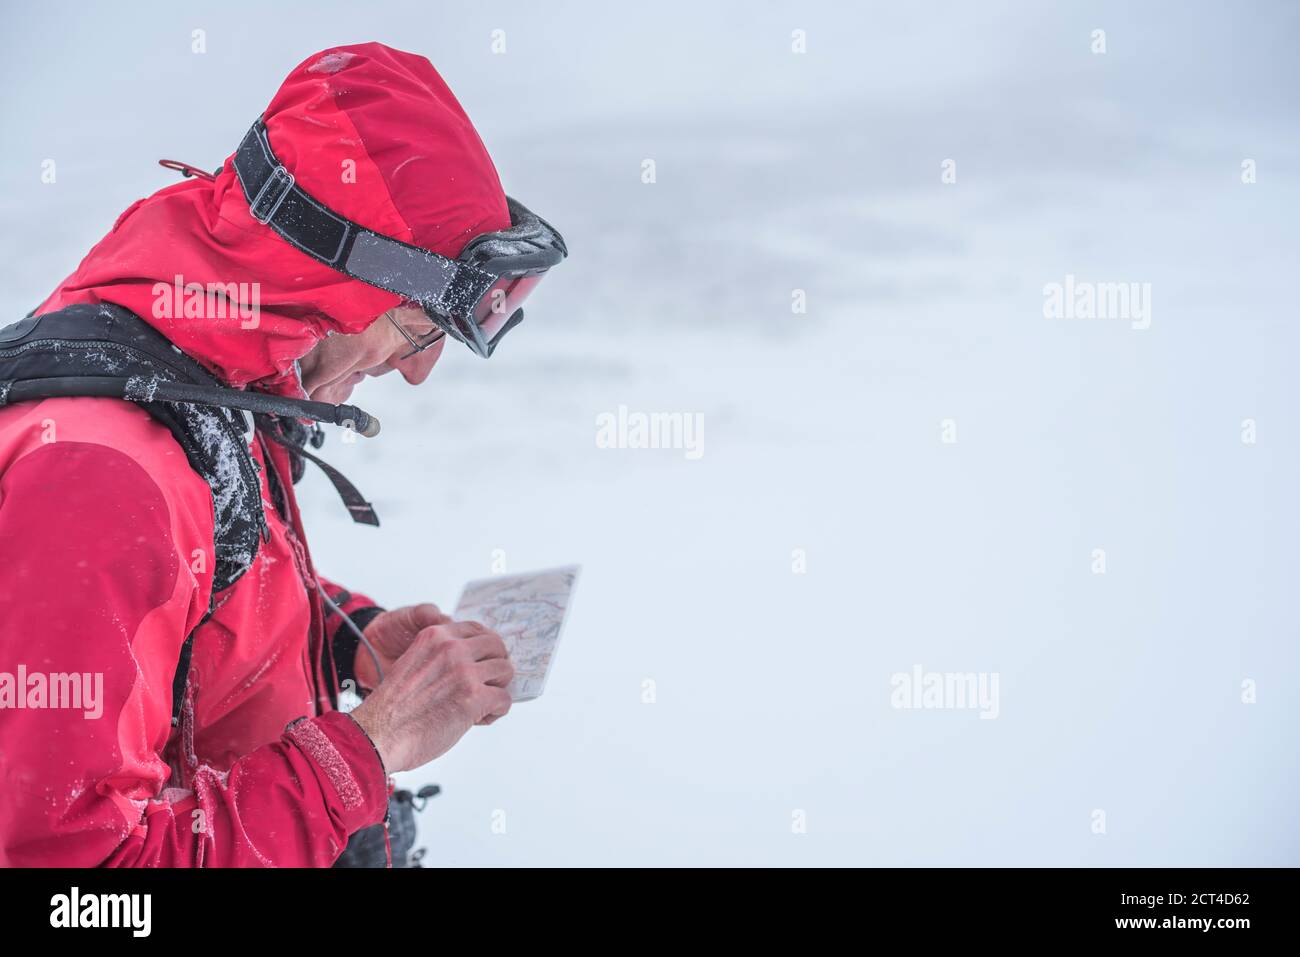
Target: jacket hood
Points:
(372, 132)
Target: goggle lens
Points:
(503, 300)
(496, 314)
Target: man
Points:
(159, 569)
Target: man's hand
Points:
(450, 677)
(391, 633)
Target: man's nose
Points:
(417, 368)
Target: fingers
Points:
(498, 705)
(497, 672)
(457, 629)
(485, 646)
(418, 617)
(473, 639)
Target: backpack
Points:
(107, 350)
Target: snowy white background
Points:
(818, 172)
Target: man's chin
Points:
(336, 393)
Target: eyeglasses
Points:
(420, 341)
(495, 314)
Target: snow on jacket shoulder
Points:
(106, 570)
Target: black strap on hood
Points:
(275, 199)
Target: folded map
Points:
(527, 610)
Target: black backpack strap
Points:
(291, 437)
(86, 343)
(106, 350)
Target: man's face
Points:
(334, 366)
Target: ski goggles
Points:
(475, 298)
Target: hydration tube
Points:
(151, 389)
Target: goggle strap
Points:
(421, 275)
(276, 200)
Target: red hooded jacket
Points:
(105, 527)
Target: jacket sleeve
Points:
(102, 580)
(344, 642)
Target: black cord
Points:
(148, 389)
